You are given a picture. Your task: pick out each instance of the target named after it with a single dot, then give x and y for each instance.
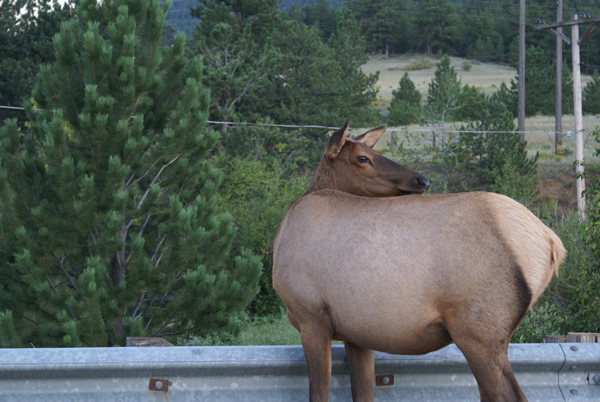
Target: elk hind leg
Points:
(492, 370)
(362, 371)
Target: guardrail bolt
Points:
(158, 384)
(385, 380)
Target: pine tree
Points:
(438, 24)
(490, 144)
(406, 103)
(387, 25)
(233, 37)
(322, 17)
(444, 91)
(507, 97)
(357, 91)
(109, 216)
(26, 29)
(540, 85)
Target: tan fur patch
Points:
(518, 226)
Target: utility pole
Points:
(575, 43)
(521, 111)
(558, 101)
(578, 117)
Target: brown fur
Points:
(409, 275)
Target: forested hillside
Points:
(481, 30)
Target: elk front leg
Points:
(316, 343)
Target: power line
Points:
(299, 126)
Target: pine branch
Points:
(75, 267)
(62, 268)
(139, 304)
(166, 323)
(160, 243)
(154, 181)
(141, 232)
(128, 183)
(69, 311)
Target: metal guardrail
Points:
(546, 372)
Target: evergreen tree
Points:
(491, 143)
(507, 97)
(405, 107)
(233, 37)
(358, 90)
(26, 29)
(482, 34)
(438, 25)
(591, 95)
(110, 222)
(471, 102)
(305, 88)
(297, 13)
(388, 19)
(540, 85)
(308, 81)
(322, 17)
(386, 25)
(444, 91)
(260, 65)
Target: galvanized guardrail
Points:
(546, 372)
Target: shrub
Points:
(422, 64)
(274, 330)
(258, 195)
(520, 187)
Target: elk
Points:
(407, 275)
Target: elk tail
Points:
(558, 252)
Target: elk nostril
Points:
(423, 183)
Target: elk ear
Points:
(336, 142)
(371, 137)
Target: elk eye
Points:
(363, 159)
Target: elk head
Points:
(353, 166)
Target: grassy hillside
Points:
(484, 76)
